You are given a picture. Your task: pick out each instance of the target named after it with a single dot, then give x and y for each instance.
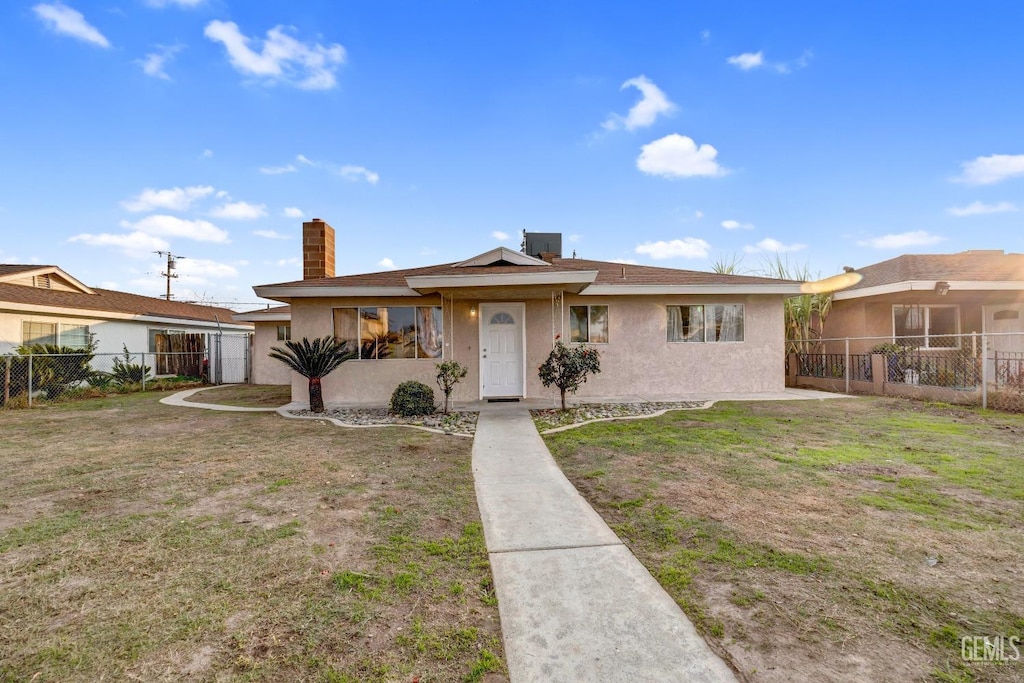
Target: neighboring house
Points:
(925, 296)
(45, 305)
(273, 328)
(661, 332)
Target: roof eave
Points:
(286, 294)
(433, 283)
(704, 289)
(929, 285)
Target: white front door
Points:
(501, 350)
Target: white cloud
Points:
(747, 60)
(239, 211)
(499, 235)
(356, 173)
(977, 208)
(653, 102)
(736, 225)
(678, 156)
(705, 36)
(207, 154)
(575, 238)
(153, 64)
(386, 263)
(991, 169)
(688, 247)
(290, 261)
(303, 159)
(292, 212)
(271, 234)
(174, 199)
(309, 66)
(625, 261)
(755, 60)
(135, 244)
(62, 19)
(772, 245)
(195, 268)
(172, 226)
(278, 170)
(107, 284)
(901, 240)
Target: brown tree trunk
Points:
(563, 398)
(316, 395)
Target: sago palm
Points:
(314, 360)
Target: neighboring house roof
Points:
(967, 270)
(272, 314)
(100, 301)
(583, 275)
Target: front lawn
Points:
(148, 542)
(840, 540)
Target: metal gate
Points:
(229, 358)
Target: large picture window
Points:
(391, 332)
(923, 326)
(54, 334)
(705, 323)
(588, 324)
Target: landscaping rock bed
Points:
(453, 423)
(549, 419)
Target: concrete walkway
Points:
(178, 399)
(575, 604)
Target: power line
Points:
(172, 263)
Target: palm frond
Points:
(313, 359)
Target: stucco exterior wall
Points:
(638, 361)
(266, 370)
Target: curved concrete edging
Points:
(283, 412)
(657, 413)
(178, 399)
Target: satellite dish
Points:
(832, 284)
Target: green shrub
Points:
(126, 372)
(568, 367)
(411, 399)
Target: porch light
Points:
(472, 311)
(942, 288)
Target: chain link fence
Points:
(960, 368)
(27, 378)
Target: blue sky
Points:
(674, 134)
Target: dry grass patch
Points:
(245, 395)
(146, 542)
(841, 540)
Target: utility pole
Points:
(172, 263)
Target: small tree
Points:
(448, 375)
(314, 360)
(568, 367)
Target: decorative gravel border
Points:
(455, 423)
(551, 421)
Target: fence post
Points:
(143, 370)
(30, 380)
(7, 381)
(846, 364)
(984, 370)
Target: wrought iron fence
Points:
(964, 363)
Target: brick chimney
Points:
(317, 250)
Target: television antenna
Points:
(172, 264)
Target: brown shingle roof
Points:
(11, 268)
(990, 266)
(607, 274)
(105, 300)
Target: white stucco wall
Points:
(266, 370)
(638, 361)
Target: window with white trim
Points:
(67, 335)
(588, 324)
(382, 332)
(924, 326)
(284, 332)
(705, 323)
